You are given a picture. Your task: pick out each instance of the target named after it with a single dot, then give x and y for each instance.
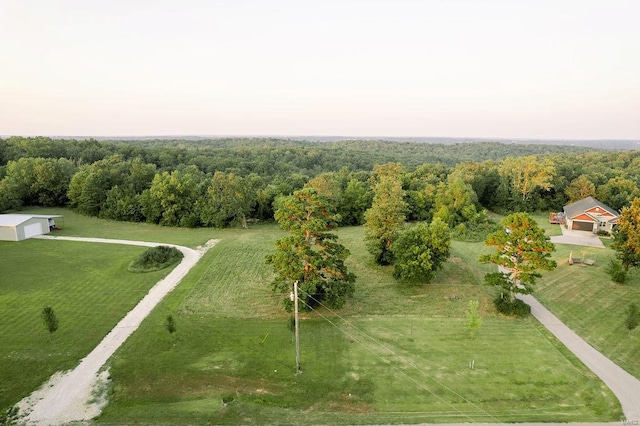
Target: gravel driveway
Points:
(68, 397)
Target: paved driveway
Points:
(577, 238)
(625, 387)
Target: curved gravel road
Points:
(68, 397)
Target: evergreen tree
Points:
(310, 254)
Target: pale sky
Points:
(553, 69)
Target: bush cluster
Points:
(517, 307)
(616, 271)
(156, 258)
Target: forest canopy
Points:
(228, 181)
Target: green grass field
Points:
(89, 289)
(590, 304)
(395, 354)
(77, 225)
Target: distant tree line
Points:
(223, 182)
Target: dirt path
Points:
(69, 396)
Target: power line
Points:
(403, 360)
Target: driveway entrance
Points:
(578, 238)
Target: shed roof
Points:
(581, 206)
(16, 219)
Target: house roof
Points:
(579, 207)
(17, 219)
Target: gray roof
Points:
(579, 207)
(17, 219)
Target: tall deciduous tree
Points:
(522, 250)
(580, 188)
(357, 197)
(618, 192)
(387, 213)
(455, 202)
(420, 251)
(310, 254)
(627, 235)
(36, 181)
(228, 200)
(528, 173)
(172, 198)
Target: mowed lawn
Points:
(90, 290)
(594, 307)
(77, 225)
(395, 354)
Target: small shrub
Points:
(474, 321)
(616, 271)
(170, 324)
(9, 416)
(50, 320)
(156, 258)
(633, 317)
(517, 307)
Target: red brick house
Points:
(591, 215)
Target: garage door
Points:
(32, 230)
(582, 226)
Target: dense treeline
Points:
(269, 157)
(230, 181)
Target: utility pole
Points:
(295, 307)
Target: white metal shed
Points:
(17, 227)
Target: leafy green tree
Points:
(50, 320)
(228, 200)
(580, 188)
(123, 205)
(483, 178)
(36, 181)
(356, 199)
(626, 235)
(618, 192)
(528, 173)
(310, 254)
(123, 200)
(386, 216)
(420, 251)
(89, 187)
(522, 250)
(455, 202)
(420, 190)
(172, 199)
(328, 186)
